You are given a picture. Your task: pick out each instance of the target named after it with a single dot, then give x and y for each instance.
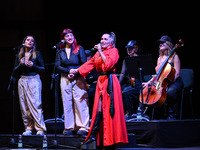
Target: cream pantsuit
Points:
(29, 89)
(75, 103)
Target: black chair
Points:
(188, 79)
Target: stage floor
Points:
(165, 133)
(159, 134)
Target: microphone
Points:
(94, 49)
(57, 45)
(18, 47)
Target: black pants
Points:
(131, 98)
(174, 95)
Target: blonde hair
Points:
(113, 37)
(170, 46)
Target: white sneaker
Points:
(40, 133)
(28, 132)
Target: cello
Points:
(155, 92)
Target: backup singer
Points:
(73, 87)
(108, 123)
(175, 87)
(29, 64)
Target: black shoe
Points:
(95, 129)
(68, 132)
(90, 139)
(82, 132)
(171, 117)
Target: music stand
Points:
(137, 67)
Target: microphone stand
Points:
(56, 113)
(12, 81)
(140, 116)
(55, 79)
(12, 84)
(138, 67)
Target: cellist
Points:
(175, 87)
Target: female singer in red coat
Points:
(108, 123)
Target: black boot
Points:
(95, 128)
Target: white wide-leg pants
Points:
(29, 89)
(75, 103)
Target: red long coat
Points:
(112, 131)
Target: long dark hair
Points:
(23, 48)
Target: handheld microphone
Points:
(57, 45)
(94, 49)
(18, 47)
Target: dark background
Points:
(145, 22)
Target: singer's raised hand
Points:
(98, 46)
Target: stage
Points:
(152, 134)
(165, 133)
